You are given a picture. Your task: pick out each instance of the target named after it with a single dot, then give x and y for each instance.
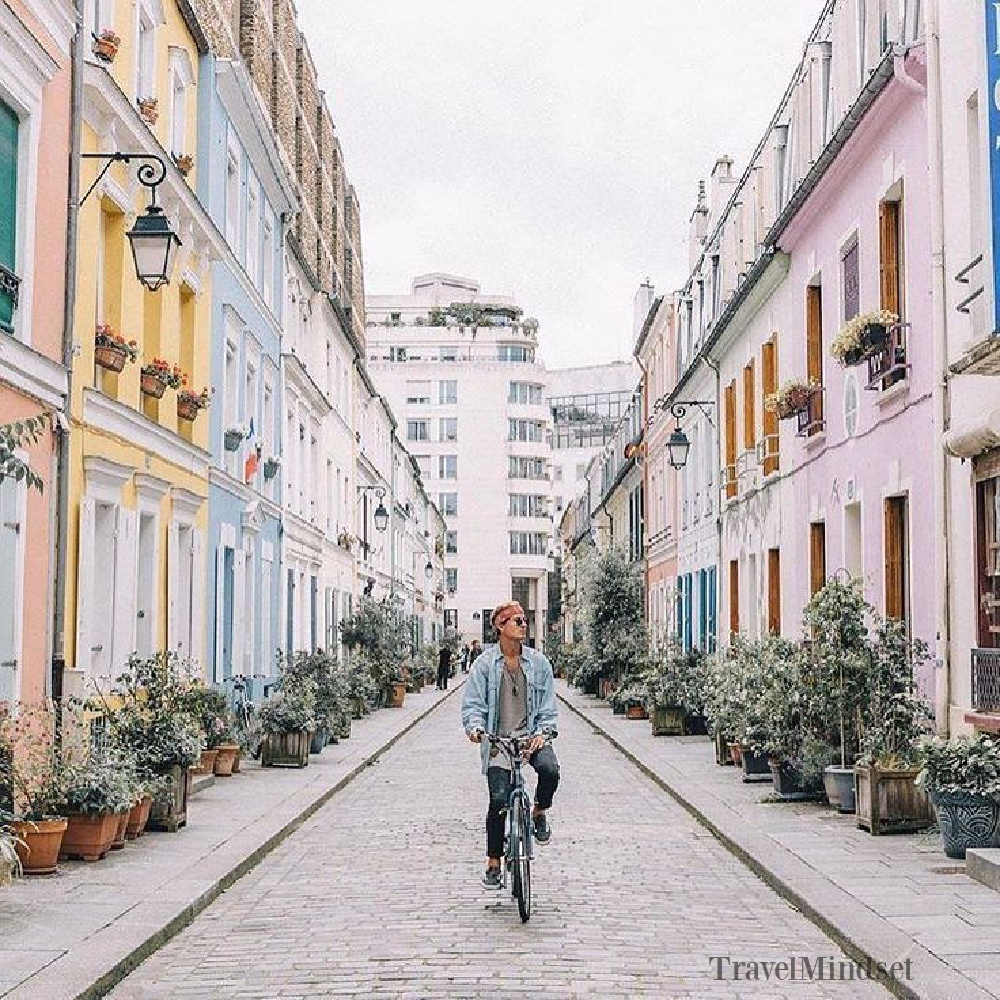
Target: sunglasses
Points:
(519, 621)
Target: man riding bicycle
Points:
(510, 692)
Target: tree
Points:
(21, 434)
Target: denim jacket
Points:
(482, 690)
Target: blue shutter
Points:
(703, 609)
(688, 611)
(713, 627)
(679, 609)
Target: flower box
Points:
(233, 438)
(41, 841)
(862, 336)
(152, 386)
(286, 749)
(398, 694)
(667, 721)
(271, 466)
(789, 785)
(184, 162)
(138, 818)
(791, 399)
(111, 358)
(889, 801)
(190, 404)
(105, 45)
(89, 837)
(755, 767)
(636, 711)
(225, 760)
(148, 109)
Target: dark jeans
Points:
(546, 767)
(443, 674)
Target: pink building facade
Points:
(35, 101)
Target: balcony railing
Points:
(888, 365)
(10, 288)
(810, 418)
(986, 680)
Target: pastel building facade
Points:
(35, 102)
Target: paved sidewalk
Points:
(74, 934)
(887, 898)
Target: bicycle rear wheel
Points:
(521, 863)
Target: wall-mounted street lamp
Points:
(678, 446)
(428, 570)
(381, 515)
(154, 244)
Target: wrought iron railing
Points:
(889, 364)
(810, 417)
(986, 680)
(10, 290)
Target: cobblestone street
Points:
(379, 895)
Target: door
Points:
(11, 583)
(988, 561)
(228, 599)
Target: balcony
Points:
(810, 417)
(888, 364)
(986, 680)
(10, 286)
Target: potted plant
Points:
(94, 794)
(963, 780)
(344, 539)
(10, 861)
(233, 436)
(105, 45)
(157, 375)
(888, 798)
(674, 688)
(30, 774)
(208, 705)
(271, 465)
(111, 351)
(149, 109)
(190, 403)
(329, 686)
(379, 633)
(792, 398)
(861, 337)
(287, 720)
(184, 162)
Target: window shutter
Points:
(220, 617)
(888, 233)
(712, 609)
(126, 581)
(774, 591)
(769, 386)
(734, 597)
(895, 574)
(749, 408)
(239, 608)
(266, 610)
(9, 126)
(197, 598)
(814, 347)
(174, 604)
(84, 654)
(11, 581)
(731, 440)
(817, 556)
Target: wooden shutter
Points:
(9, 125)
(734, 596)
(814, 350)
(888, 241)
(749, 408)
(774, 591)
(731, 439)
(817, 556)
(895, 557)
(125, 584)
(769, 386)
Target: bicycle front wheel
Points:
(521, 862)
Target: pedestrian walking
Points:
(510, 693)
(444, 668)
(465, 658)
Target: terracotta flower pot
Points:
(42, 838)
(138, 818)
(398, 694)
(105, 49)
(186, 409)
(225, 760)
(152, 386)
(121, 829)
(736, 754)
(237, 759)
(89, 837)
(112, 358)
(207, 765)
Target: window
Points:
(451, 618)
(817, 557)
(734, 597)
(448, 354)
(851, 404)
(516, 353)
(418, 393)
(524, 392)
(267, 257)
(145, 65)
(897, 569)
(526, 468)
(732, 486)
(9, 132)
(416, 430)
(814, 356)
(397, 354)
(850, 268)
(451, 542)
(253, 227)
(12, 495)
(712, 610)
(181, 77)
(451, 580)
(769, 386)
(527, 505)
(774, 591)
(233, 195)
(891, 285)
(424, 464)
(988, 557)
(528, 543)
(525, 430)
(447, 466)
(749, 408)
(448, 391)
(448, 429)
(448, 503)
(853, 546)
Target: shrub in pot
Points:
(962, 778)
(379, 632)
(93, 795)
(674, 681)
(208, 705)
(10, 861)
(329, 685)
(287, 721)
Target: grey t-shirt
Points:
(512, 714)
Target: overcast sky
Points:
(550, 149)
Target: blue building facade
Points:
(249, 196)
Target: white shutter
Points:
(11, 581)
(239, 609)
(266, 608)
(196, 648)
(84, 654)
(220, 588)
(126, 566)
(174, 599)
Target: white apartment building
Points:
(460, 370)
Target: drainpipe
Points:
(939, 355)
(899, 71)
(645, 475)
(54, 684)
(714, 365)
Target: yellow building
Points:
(139, 468)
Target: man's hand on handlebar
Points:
(476, 735)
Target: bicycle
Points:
(244, 708)
(520, 832)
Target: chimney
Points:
(722, 186)
(640, 308)
(697, 228)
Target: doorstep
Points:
(983, 864)
(75, 934)
(199, 782)
(884, 899)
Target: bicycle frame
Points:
(514, 748)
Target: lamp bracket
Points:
(150, 174)
(679, 408)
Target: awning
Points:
(973, 437)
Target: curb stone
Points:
(861, 933)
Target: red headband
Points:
(505, 612)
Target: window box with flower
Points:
(184, 162)
(105, 45)
(157, 375)
(190, 404)
(271, 465)
(861, 337)
(233, 436)
(149, 109)
(791, 399)
(111, 350)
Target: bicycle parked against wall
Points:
(519, 830)
(245, 710)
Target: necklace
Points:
(512, 677)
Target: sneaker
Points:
(543, 832)
(491, 878)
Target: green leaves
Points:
(16, 436)
(969, 764)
